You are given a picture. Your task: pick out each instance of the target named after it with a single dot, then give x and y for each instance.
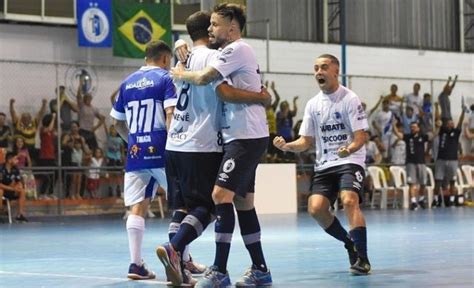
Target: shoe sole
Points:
(171, 273)
(139, 277)
(358, 272)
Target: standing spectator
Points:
(394, 100)
(67, 107)
(426, 113)
(408, 117)
(22, 153)
(414, 99)
(272, 124)
(11, 186)
(447, 162)
(397, 147)
(285, 119)
(115, 158)
(87, 115)
(47, 154)
(415, 163)
(93, 178)
(382, 124)
(444, 101)
(5, 132)
(26, 126)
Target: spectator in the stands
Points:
(394, 100)
(272, 124)
(115, 158)
(469, 132)
(285, 119)
(67, 107)
(87, 115)
(11, 186)
(444, 101)
(382, 124)
(26, 126)
(47, 154)
(414, 99)
(22, 154)
(6, 136)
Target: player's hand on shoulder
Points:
(181, 50)
(280, 143)
(175, 72)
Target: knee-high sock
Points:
(224, 229)
(359, 235)
(250, 231)
(191, 227)
(135, 231)
(337, 231)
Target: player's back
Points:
(195, 126)
(142, 100)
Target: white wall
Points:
(59, 44)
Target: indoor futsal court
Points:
(428, 248)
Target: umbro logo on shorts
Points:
(223, 177)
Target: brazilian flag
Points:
(136, 24)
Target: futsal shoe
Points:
(171, 260)
(255, 278)
(21, 218)
(422, 204)
(414, 206)
(194, 267)
(214, 279)
(361, 267)
(352, 252)
(136, 272)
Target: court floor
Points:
(429, 248)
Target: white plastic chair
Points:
(399, 175)
(9, 209)
(380, 184)
(468, 170)
(430, 185)
(461, 185)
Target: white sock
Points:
(452, 198)
(413, 199)
(186, 256)
(135, 231)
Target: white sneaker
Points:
(150, 214)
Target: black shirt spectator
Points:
(415, 147)
(448, 143)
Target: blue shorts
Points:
(331, 181)
(238, 167)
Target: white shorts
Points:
(142, 184)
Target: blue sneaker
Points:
(255, 278)
(172, 262)
(214, 279)
(136, 272)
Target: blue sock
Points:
(337, 231)
(224, 228)
(191, 227)
(359, 235)
(250, 230)
(176, 219)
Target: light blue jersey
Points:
(142, 100)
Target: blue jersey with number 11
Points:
(142, 100)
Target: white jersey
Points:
(195, 126)
(332, 119)
(241, 121)
(384, 121)
(414, 101)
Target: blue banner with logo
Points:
(94, 23)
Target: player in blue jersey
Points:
(194, 151)
(142, 113)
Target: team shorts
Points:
(331, 181)
(416, 173)
(239, 164)
(142, 184)
(191, 177)
(446, 170)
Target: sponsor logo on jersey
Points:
(143, 139)
(334, 138)
(181, 117)
(134, 151)
(333, 127)
(178, 134)
(140, 84)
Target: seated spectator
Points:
(11, 186)
(22, 153)
(26, 127)
(444, 101)
(394, 100)
(115, 158)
